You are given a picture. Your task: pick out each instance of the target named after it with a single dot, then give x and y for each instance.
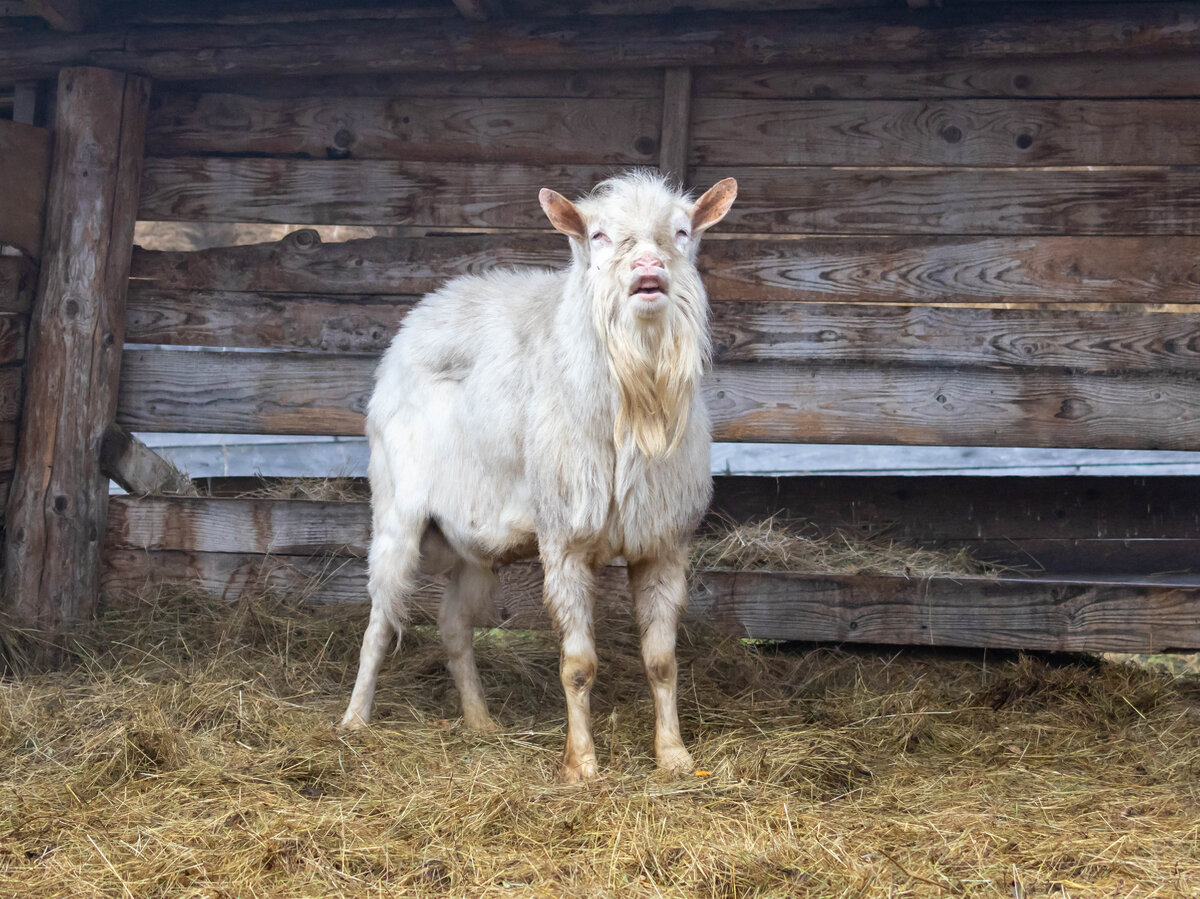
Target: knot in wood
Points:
(304, 239)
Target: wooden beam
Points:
(699, 39)
(58, 502)
(771, 199)
(63, 15)
(942, 270)
(18, 276)
(473, 10)
(1065, 614)
(25, 150)
(676, 123)
(318, 393)
(137, 468)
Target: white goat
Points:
(551, 413)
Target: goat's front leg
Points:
(659, 588)
(569, 591)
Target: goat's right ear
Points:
(562, 214)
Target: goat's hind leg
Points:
(393, 562)
(659, 588)
(467, 597)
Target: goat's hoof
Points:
(481, 725)
(352, 720)
(577, 772)
(676, 759)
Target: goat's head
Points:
(634, 241)
(636, 238)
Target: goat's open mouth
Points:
(648, 289)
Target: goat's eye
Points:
(681, 236)
(600, 239)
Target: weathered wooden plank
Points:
(963, 200)
(1085, 75)
(676, 123)
(773, 200)
(699, 39)
(1089, 340)
(952, 407)
(258, 12)
(943, 270)
(283, 393)
(11, 384)
(347, 192)
(945, 132)
(440, 129)
(595, 83)
(59, 497)
(12, 338)
(25, 150)
(64, 15)
(18, 276)
(268, 526)
(1016, 613)
(137, 469)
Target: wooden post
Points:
(59, 498)
(677, 115)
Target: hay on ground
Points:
(189, 750)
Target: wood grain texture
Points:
(18, 277)
(676, 123)
(59, 497)
(266, 526)
(775, 200)
(137, 469)
(698, 39)
(952, 407)
(613, 83)
(13, 330)
(1016, 613)
(25, 150)
(302, 263)
(1090, 340)
(1085, 75)
(917, 269)
(283, 393)
(348, 192)
(1074, 132)
(441, 129)
(963, 201)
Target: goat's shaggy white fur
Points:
(553, 413)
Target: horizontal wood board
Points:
(175, 52)
(1097, 526)
(1017, 613)
(777, 200)
(740, 132)
(800, 333)
(918, 269)
(286, 393)
(447, 129)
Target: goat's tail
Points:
(394, 563)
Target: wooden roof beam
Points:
(479, 10)
(63, 15)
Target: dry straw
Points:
(189, 750)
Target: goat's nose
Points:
(648, 260)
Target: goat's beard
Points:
(656, 362)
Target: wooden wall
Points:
(971, 226)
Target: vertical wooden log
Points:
(676, 121)
(59, 497)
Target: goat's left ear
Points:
(562, 214)
(711, 207)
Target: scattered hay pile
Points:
(189, 751)
(775, 544)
